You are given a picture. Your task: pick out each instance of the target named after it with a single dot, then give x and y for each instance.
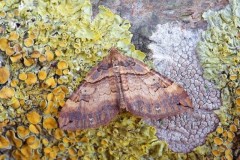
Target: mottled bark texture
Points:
(144, 15)
(175, 57)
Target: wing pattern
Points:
(121, 82)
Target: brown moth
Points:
(121, 82)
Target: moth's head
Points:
(113, 51)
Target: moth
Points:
(118, 83)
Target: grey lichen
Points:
(174, 56)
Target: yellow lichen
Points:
(42, 58)
(233, 77)
(236, 122)
(22, 131)
(51, 82)
(238, 91)
(6, 92)
(33, 117)
(15, 103)
(58, 134)
(4, 142)
(13, 139)
(26, 151)
(230, 135)
(62, 65)
(42, 75)
(219, 130)
(49, 56)
(13, 36)
(218, 141)
(59, 72)
(15, 58)
(28, 42)
(9, 51)
(45, 141)
(3, 44)
(34, 129)
(49, 123)
(35, 54)
(237, 101)
(22, 76)
(233, 128)
(28, 61)
(31, 78)
(14, 82)
(33, 142)
(4, 75)
(58, 53)
(215, 152)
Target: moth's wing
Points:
(151, 95)
(90, 106)
(95, 102)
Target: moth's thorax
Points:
(116, 67)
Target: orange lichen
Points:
(22, 76)
(80, 152)
(51, 82)
(28, 42)
(22, 131)
(233, 77)
(4, 75)
(50, 108)
(49, 123)
(233, 128)
(42, 75)
(4, 142)
(219, 130)
(28, 62)
(58, 134)
(237, 91)
(59, 72)
(33, 117)
(14, 83)
(15, 103)
(49, 55)
(62, 65)
(228, 154)
(45, 141)
(218, 141)
(35, 54)
(15, 58)
(216, 153)
(34, 129)
(33, 142)
(9, 51)
(31, 78)
(3, 44)
(230, 135)
(237, 101)
(6, 92)
(13, 36)
(13, 139)
(236, 122)
(17, 48)
(26, 151)
(72, 151)
(58, 53)
(65, 71)
(42, 58)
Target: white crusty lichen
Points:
(174, 57)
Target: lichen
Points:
(219, 55)
(48, 47)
